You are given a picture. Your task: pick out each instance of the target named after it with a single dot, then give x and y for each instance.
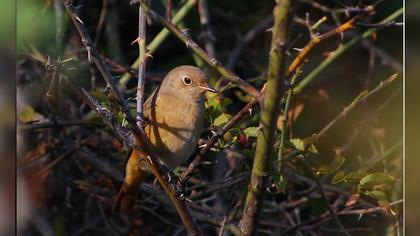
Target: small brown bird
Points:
(174, 116)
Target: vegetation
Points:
(304, 136)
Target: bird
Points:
(174, 117)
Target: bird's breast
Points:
(174, 128)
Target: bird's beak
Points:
(208, 88)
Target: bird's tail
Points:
(134, 177)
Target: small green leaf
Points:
(310, 144)
(303, 145)
(213, 101)
(351, 177)
(379, 196)
(338, 177)
(324, 170)
(226, 102)
(298, 144)
(251, 131)
(312, 149)
(375, 179)
(27, 114)
(222, 119)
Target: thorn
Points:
(185, 31)
(89, 57)
(135, 40)
(78, 19)
(298, 49)
(189, 200)
(150, 159)
(360, 217)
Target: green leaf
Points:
(351, 177)
(379, 196)
(27, 114)
(279, 184)
(213, 101)
(226, 102)
(303, 145)
(375, 179)
(324, 170)
(338, 177)
(298, 144)
(100, 96)
(222, 119)
(251, 131)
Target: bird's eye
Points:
(187, 80)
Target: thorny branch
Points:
(140, 137)
(299, 60)
(228, 74)
(269, 113)
(363, 96)
(121, 131)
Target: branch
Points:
(327, 216)
(363, 96)
(141, 40)
(196, 162)
(208, 36)
(52, 124)
(269, 112)
(331, 211)
(192, 167)
(108, 118)
(247, 38)
(340, 51)
(153, 165)
(228, 74)
(94, 55)
(301, 57)
(286, 118)
(139, 136)
(160, 37)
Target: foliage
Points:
(73, 161)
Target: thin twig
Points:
(52, 124)
(331, 211)
(140, 137)
(208, 36)
(141, 40)
(192, 167)
(196, 161)
(94, 55)
(168, 10)
(228, 74)
(160, 37)
(337, 53)
(286, 118)
(363, 96)
(101, 22)
(247, 38)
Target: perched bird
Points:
(174, 116)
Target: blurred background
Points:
(46, 39)
(412, 117)
(7, 117)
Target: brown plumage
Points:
(175, 115)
